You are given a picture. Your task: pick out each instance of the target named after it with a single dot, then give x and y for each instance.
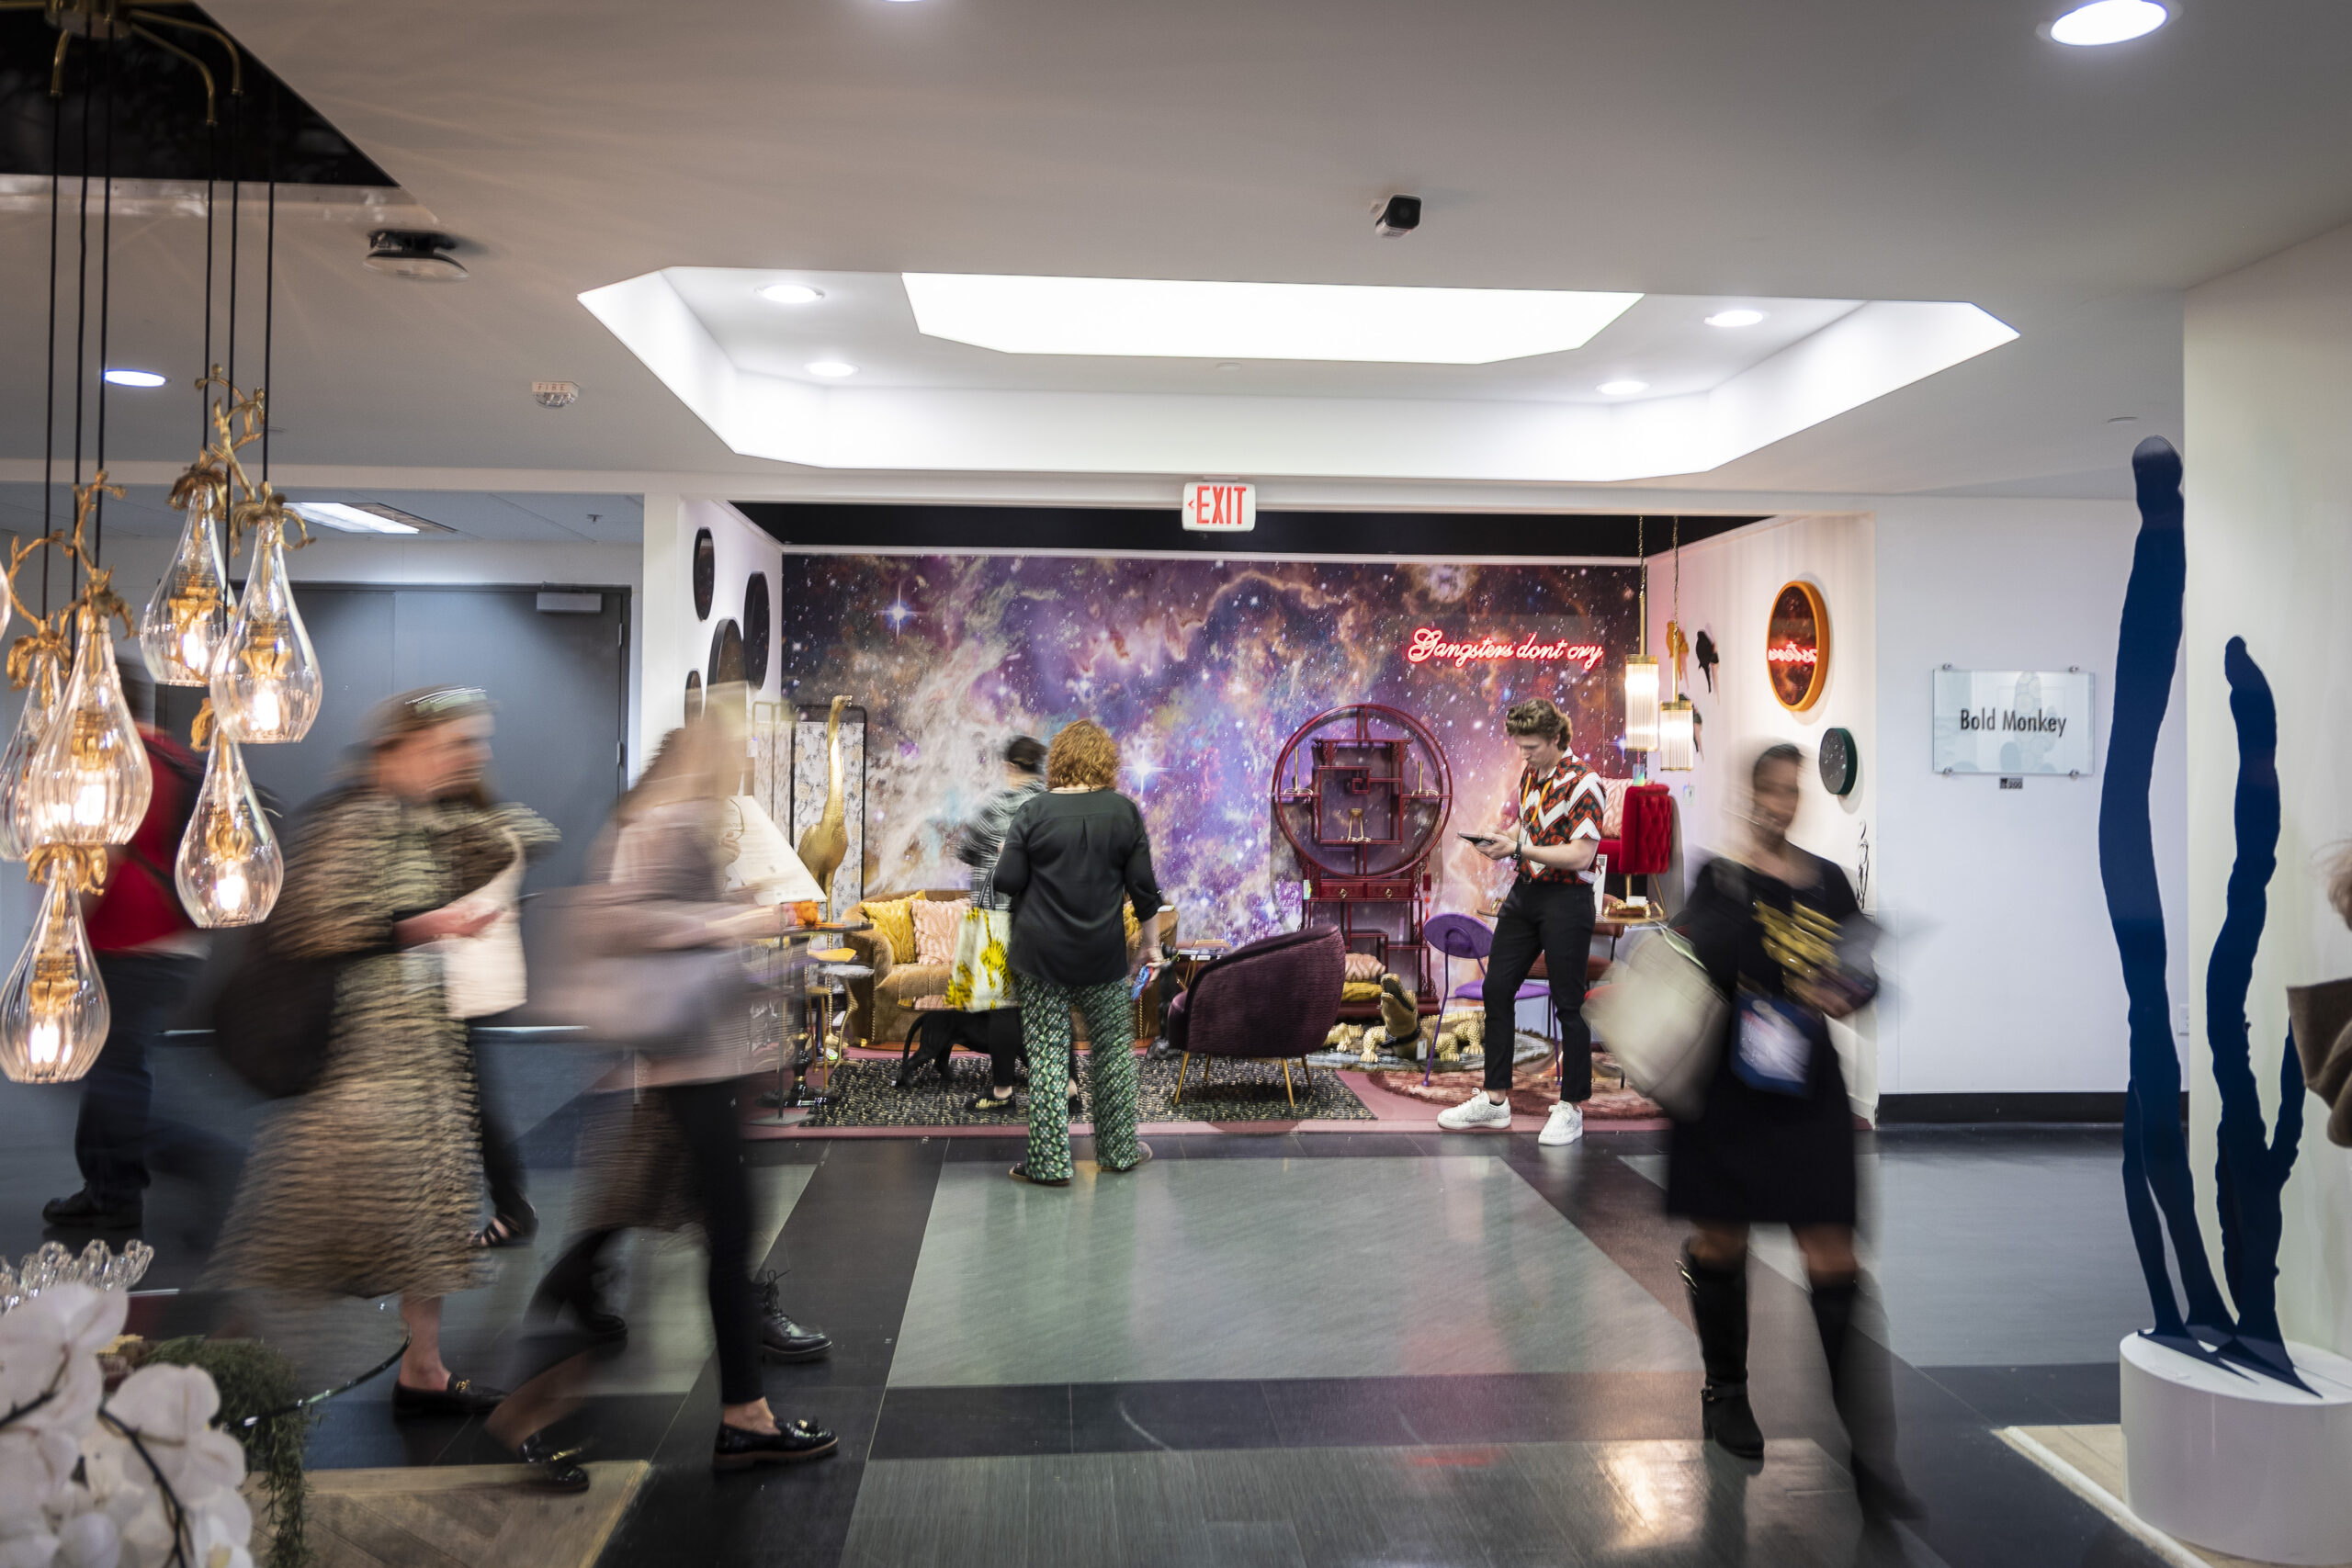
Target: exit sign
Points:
(1213, 508)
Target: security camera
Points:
(1398, 214)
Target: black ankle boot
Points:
(1862, 1381)
(1719, 1304)
(573, 1281)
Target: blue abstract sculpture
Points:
(2160, 1195)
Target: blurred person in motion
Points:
(1776, 928)
(981, 981)
(370, 1183)
(489, 842)
(149, 953)
(1550, 830)
(673, 1155)
(1071, 856)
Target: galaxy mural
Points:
(1202, 669)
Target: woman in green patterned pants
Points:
(1071, 857)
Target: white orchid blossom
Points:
(75, 1492)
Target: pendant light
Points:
(187, 618)
(17, 837)
(90, 782)
(1641, 670)
(265, 684)
(1678, 723)
(54, 1015)
(229, 867)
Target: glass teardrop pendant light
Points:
(265, 684)
(18, 838)
(188, 615)
(54, 1014)
(90, 782)
(230, 866)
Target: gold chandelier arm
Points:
(57, 65)
(237, 55)
(211, 93)
(85, 863)
(200, 727)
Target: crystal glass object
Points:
(230, 866)
(52, 1264)
(187, 618)
(265, 684)
(1678, 735)
(1640, 704)
(54, 1015)
(89, 778)
(16, 834)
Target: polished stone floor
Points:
(1358, 1347)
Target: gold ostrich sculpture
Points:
(827, 840)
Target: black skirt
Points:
(1757, 1157)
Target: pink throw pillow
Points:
(937, 924)
(1362, 966)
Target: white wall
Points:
(676, 639)
(2010, 980)
(2000, 968)
(1728, 584)
(2268, 368)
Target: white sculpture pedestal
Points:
(2242, 1464)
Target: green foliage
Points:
(255, 1380)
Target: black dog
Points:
(934, 1034)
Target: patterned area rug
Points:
(865, 1094)
(1533, 1091)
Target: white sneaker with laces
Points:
(1473, 1113)
(1566, 1125)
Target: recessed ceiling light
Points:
(1735, 317)
(134, 377)
(791, 294)
(1623, 388)
(1176, 318)
(832, 370)
(2109, 21)
(365, 517)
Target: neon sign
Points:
(1428, 645)
(1796, 646)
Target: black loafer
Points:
(552, 1469)
(83, 1211)
(790, 1443)
(462, 1397)
(1021, 1173)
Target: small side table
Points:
(799, 1049)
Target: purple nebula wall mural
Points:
(1202, 669)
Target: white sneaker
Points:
(1473, 1113)
(1566, 1125)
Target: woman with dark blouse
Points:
(1774, 1143)
(1071, 857)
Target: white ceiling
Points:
(506, 518)
(1717, 148)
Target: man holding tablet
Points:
(1552, 829)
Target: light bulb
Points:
(53, 1016)
(230, 866)
(1678, 734)
(188, 614)
(89, 779)
(1640, 704)
(17, 831)
(265, 684)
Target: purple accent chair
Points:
(1273, 999)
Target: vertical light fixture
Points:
(1641, 670)
(265, 683)
(54, 1014)
(89, 780)
(188, 617)
(1677, 722)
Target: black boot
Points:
(573, 1281)
(1862, 1381)
(1719, 1303)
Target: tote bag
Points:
(483, 975)
(980, 981)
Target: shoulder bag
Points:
(1663, 1019)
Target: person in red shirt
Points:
(1551, 831)
(147, 952)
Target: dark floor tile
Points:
(1335, 1412)
(2065, 1395)
(361, 1434)
(969, 1422)
(1130, 1416)
(1508, 1407)
(793, 1514)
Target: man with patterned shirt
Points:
(1552, 829)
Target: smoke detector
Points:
(556, 394)
(416, 254)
